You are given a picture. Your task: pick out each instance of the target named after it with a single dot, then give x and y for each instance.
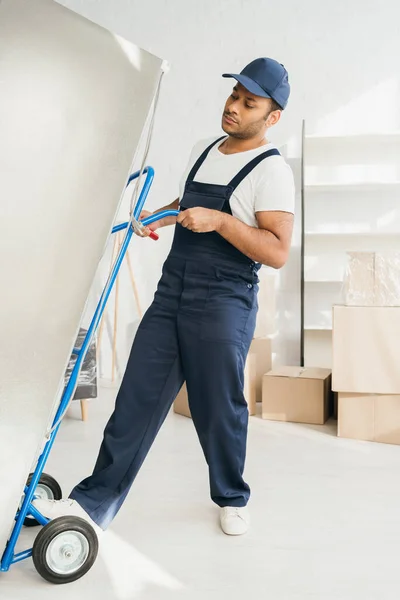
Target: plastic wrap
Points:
(372, 279)
(87, 380)
(387, 279)
(358, 282)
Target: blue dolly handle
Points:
(27, 509)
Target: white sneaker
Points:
(51, 509)
(234, 520)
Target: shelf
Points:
(366, 149)
(320, 248)
(349, 212)
(332, 234)
(357, 186)
(335, 282)
(351, 204)
(324, 266)
(318, 350)
(365, 138)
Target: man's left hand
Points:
(200, 220)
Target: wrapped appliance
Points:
(372, 279)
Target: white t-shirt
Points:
(269, 187)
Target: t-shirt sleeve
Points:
(275, 190)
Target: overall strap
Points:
(250, 166)
(201, 159)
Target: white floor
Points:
(325, 512)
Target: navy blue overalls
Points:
(198, 329)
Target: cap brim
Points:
(249, 84)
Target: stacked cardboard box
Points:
(366, 349)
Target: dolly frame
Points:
(27, 509)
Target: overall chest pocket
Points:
(205, 195)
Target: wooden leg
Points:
(84, 409)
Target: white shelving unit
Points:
(351, 202)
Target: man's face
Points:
(246, 115)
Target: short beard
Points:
(251, 131)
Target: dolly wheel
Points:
(65, 549)
(47, 489)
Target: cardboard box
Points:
(375, 418)
(261, 349)
(366, 349)
(258, 362)
(250, 383)
(297, 394)
(181, 404)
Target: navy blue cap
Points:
(267, 78)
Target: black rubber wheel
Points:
(65, 549)
(48, 488)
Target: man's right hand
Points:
(151, 227)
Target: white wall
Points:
(342, 58)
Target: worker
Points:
(236, 213)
